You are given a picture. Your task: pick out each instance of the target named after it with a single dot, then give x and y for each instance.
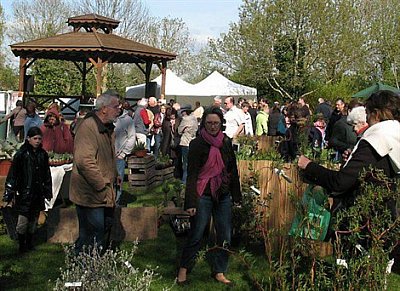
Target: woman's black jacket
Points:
(197, 157)
(343, 184)
(29, 179)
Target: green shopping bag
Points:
(312, 218)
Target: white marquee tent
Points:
(204, 91)
(217, 84)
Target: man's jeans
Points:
(121, 164)
(222, 217)
(157, 142)
(94, 226)
(185, 152)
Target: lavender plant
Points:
(111, 270)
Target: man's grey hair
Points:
(104, 100)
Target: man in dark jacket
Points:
(335, 116)
(343, 136)
(324, 108)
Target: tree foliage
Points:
(291, 48)
(135, 20)
(38, 19)
(8, 78)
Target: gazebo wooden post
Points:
(149, 64)
(163, 77)
(22, 73)
(99, 67)
(99, 78)
(84, 71)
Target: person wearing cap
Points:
(234, 123)
(187, 130)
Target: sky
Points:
(204, 18)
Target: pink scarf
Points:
(213, 169)
(321, 126)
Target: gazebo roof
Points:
(92, 18)
(80, 46)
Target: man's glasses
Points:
(119, 106)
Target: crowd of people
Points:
(200, 142)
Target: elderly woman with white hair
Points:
(141, 121)
(358, 119)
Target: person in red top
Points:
(56, 134)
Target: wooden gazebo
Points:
(91, 44)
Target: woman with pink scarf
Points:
(212, 186)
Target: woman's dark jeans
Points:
(222, 215)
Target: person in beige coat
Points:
(94, 173)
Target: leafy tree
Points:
(135, 20)
(8, 78)
(172, 35)
(287, 47)
(38, 19)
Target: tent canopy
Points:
(214, 84)
(374, 88)
(217, 84)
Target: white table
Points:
(57, 176)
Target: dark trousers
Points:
(94, 227)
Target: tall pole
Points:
(163, 78)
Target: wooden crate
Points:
(142, 172)
(141, 163)
(165, 174)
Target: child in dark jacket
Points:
(28, 183)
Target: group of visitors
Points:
(201, 143)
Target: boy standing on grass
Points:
(28, 183)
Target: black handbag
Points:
(180, 224)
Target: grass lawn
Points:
(39, 269)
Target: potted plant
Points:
(139, 150)
(163, 161)
(8, 148)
